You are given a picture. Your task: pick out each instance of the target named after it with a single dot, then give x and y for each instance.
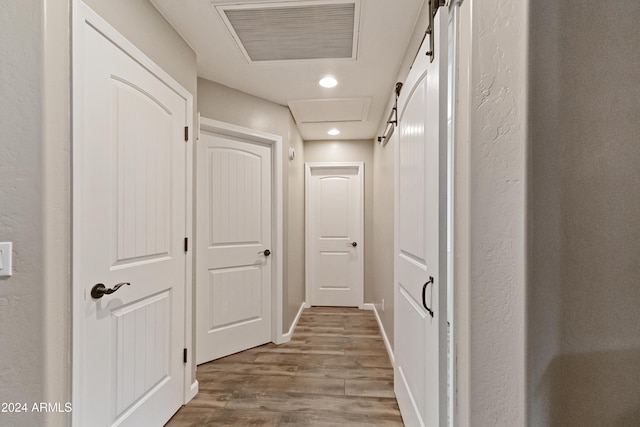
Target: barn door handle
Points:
(424, 295)
(99, 290)
(266, 252)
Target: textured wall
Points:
(352, 151)
(22, 375)
(223, 103)
(497, 212)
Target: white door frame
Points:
(275, 141)
(81, 13)
(307, 229)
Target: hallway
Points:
(334, 371)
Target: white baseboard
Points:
(287, 337)
(369, 306)
(193, 390)
(387, 344)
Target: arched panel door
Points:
(420, 347)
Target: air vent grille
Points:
(284, 32)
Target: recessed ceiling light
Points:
(334, 132)
(328, 82)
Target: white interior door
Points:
(129, 227)
(420, 264)
(335, 243)
(234, 260)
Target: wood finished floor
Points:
(335, 371)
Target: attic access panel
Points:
(297, 30)
(330, 110)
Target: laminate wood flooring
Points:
(335, 371)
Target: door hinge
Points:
(186, 244)
(186, 133)
(184, 356)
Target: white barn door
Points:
(130, 204)
(420, 228)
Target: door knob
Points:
(424, 299)
(354, 244)
(99, 290)
(266, 252)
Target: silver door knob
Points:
(99, 290)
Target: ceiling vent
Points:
(298, 30)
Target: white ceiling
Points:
(384, 32)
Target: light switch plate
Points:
(5, 258)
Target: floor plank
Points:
(369, 388)
(334, 371)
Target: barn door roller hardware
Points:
(433, 9)
(392, 120)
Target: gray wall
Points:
(216, 101)
(381, 286)
(545, 228)
(586, 173)
(35, 174)
(295, 293)
(352, 151)
(599, 104)
(22, 374)
(146, 28)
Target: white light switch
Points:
(5, 259)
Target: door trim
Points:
(307, 230)
(275, 141)
(82, 13)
